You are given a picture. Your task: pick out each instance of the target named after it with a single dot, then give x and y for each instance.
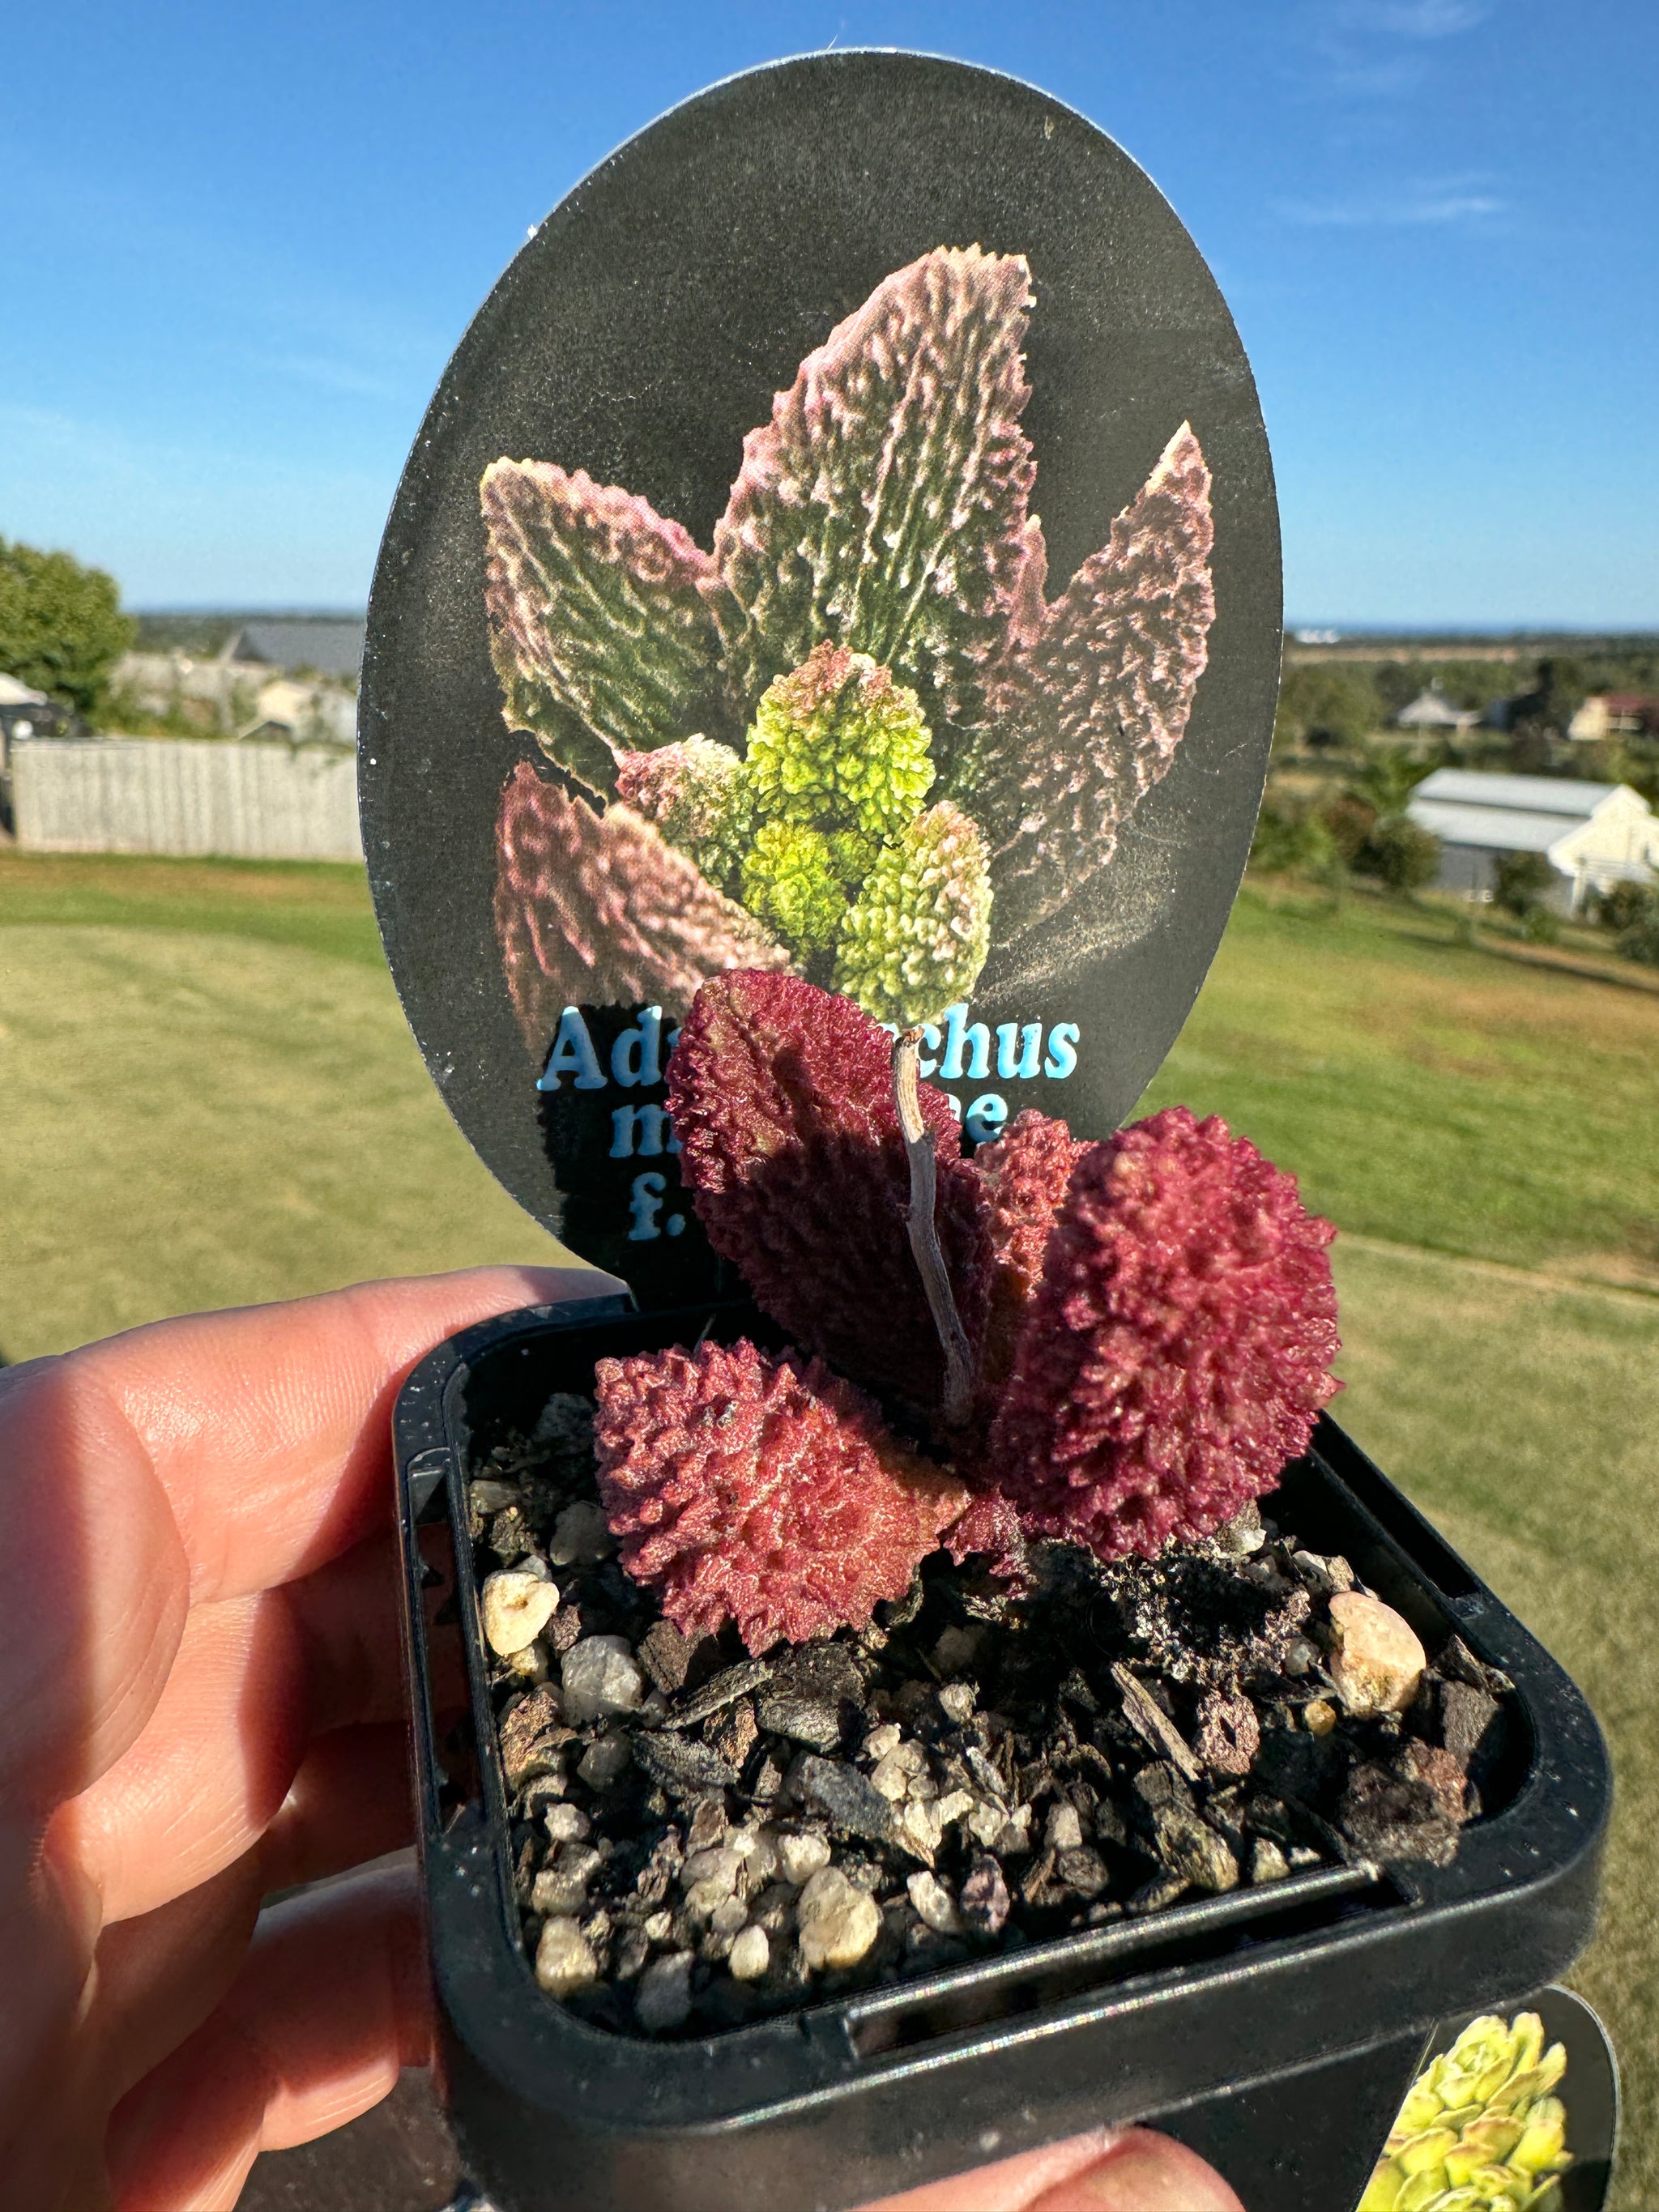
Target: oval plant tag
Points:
(844, 541)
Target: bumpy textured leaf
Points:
(1095, 705)
(837, 743)
(693, 792)
(917, 937)
(1177, 1351)
(763, 1491)
(790, 884)
(883, 507)
(597, 910)
(782, 1098)
(599, 634)
(1025, 1173)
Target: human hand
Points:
(1131, 2170)
(201, 1694)
(201, 1702)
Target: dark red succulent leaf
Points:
(759, 1490)
(1177, 1350)
(1025, 1173)
(782, 1099)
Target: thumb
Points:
(1142, 2172)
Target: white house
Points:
(1433, 710)
(1592, 834)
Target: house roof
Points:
(1431, 709)
(332, 648)
(1497, 830)
(1506, 813)
(1530, 794)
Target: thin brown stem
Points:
(923, 1227)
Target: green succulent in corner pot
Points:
(1481, 2129)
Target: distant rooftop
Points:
(332, 648)
(1508, 813)
(1528, 794)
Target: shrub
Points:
(1289, 840)
(1640, 941)
(1520, 881)
(1624, 905)
(1540, 925)
(1399, 853)
(1349, 819)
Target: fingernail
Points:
(1145, 2173)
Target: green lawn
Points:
(209, 1094)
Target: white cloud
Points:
(1409, 207)
(1413, 19)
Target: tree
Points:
(1400, 853)
(61, 626)
(1325, 706)
(1561, 691)
(1520, 881)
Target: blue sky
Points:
(237, 245)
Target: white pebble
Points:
(719, 1867)
(600, 1676)
(730, 1915)
(985, 1822)
(891, 1778)
(602, 1762)
(934, 1903)
(567, 1824)
(799, 1857)
(1378, 1663)
(919, 1828)
(751, 1954)
(758, 1849)
(664, 1993)
(837, 1922)
(1063, 1831)
(556, 1891)
(581, 1536)
(952, 1808)
(564, 1959)
(516, 1604)
(659, 1927)
(956, 1700)
(881, 1740)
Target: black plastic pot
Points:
(1273, 2029)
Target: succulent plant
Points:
(1149, 1322)
(837, 744)
(1481, 2129)
(595, 908)
(782, 1095)
(870, 628)
(763, 1491)
(917, 937)
(1176, 1353)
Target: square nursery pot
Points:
(1274, 2029)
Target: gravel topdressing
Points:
(700, 1837)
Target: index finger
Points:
(269, 1427)
(185, 1461)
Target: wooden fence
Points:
(254, 801)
